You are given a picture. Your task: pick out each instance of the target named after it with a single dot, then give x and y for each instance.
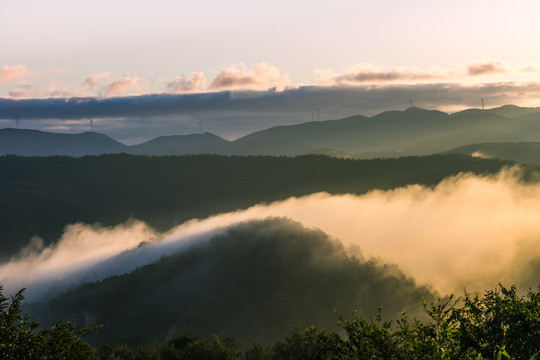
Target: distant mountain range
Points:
(414, 131)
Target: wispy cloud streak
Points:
(486, 67)
(258, 77)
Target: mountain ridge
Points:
(413, 131)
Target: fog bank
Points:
(468, 231)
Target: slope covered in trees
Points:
(253, 283)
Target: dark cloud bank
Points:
(235, 113)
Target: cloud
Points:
(179, 85)
(79, 248)
(374, 74)
(95, 79)
(231, 113)
(26, 90)
(126, 85)
(481, 155)
(258, 77)
(487, 67)
(54, 90)
(530, 68)
(8, 73)
(333, 101)
(370, 73)
(19, 93)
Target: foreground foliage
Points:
(21, 338)
(500, 325)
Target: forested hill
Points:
(40, 195)
(253, 283)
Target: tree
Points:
(21, 338)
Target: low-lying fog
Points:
(468, 231)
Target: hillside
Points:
(182, 145)
(39, 143)
(253, 283)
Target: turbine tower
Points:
(411, 103)
(312, 116)
(318, 115)
(91, 124)
(482, 104)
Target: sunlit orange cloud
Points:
(179, 85)
(96, 84)
(127, 85)
(370, 73)
(25, 91)
(259, 77)
(530, 68)
(19, 94)
(79, 247)
(55, 90)
(375, 74)
(95, 79)
(263, 77)
(8, 73)
(488, 67)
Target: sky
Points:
(443, 55)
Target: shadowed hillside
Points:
(34, 142)
(254, 282)
(182, 144)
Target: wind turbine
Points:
(17, 120)
(312, 116)
(411, 102)
(91, 124)
(318, 115)
(482, 104)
